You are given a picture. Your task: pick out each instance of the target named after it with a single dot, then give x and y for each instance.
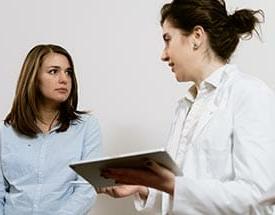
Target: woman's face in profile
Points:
(178, 52)
(54, 79)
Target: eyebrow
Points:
(58, 67)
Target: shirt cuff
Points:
(141, 204)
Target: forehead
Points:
(168, 29)
(55, 59)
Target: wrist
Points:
(143, 192)
(170, 187)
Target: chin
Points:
(182, 79)
(61, 99)
(179, 79)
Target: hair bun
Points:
(244, 20)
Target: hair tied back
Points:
(244, 21)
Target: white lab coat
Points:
(225, 145)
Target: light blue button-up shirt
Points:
(35, 177)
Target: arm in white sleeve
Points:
(84, 195)
(253, 163)
(152, 204)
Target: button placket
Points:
(190, 121)
(39, 169)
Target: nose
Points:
(164, 56)
(63, 77)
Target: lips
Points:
(62, 90)
(172, 66)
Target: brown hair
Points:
(223, 30)
(24, 111)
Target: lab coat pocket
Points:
(216, 144)
(219, 162)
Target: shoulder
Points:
(1, 125)
(247, 85)
(87, 119)
(7, 131)
(248, 91)
(4, 127)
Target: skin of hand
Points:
(121, 191)
(153, 175)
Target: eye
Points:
(69, 72)
(166, 40)
(52, 71)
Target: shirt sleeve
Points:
(151, 205)
(2, 182)
(84, 195)
(2, 191)
(253, 163)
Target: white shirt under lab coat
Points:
(224, 140)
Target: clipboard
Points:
(90, 170)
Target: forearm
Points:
(1, 206)
(143, 192)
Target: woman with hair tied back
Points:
(43, 133)
(223, 135)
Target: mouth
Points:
(172, 66)
(62, 90)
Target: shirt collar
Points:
(215, 78)
(212, 82)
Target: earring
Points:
(195, 46)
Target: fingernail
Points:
(148, 163)
(105, 173)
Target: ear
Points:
(198, 36)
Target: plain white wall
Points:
(116, 47)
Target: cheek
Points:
(70, 84)
(45, 87)
(183, 72)
(41, 87)
(44, 90)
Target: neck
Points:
(206, 68)
(47, 110)
(48, 117)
